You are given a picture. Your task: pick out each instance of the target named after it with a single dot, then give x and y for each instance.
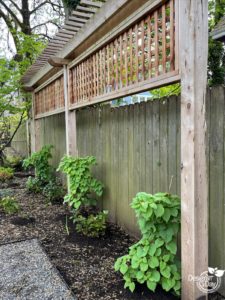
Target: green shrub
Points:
(82, 187)
(45, 181)
(53, 191)
(9, 205)
(153, 259)
(92, 225)
(6, 174)
(44, 172)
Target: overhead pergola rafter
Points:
(79, 17)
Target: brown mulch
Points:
(86, 264)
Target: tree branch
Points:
(11, 13)
(45, 23)
(39, 6)
(15, 131)
(16, 6)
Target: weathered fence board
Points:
(51, 131)
(19, 142)
(138, 149)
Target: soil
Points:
(86, 264)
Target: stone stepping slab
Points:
(27, 274)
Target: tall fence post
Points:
(193, 50)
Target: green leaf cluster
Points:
(82, 184)
(9, 205)
(45, 180)
(81, 200)
(53, 191)
(153, 259)
(40, 162)
(92, 225)
(6, 174)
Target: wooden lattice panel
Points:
(142, 53)
(50, 98)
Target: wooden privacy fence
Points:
(129, 47)
(138, 149)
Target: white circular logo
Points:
(208, 283)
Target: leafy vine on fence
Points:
(80, 198)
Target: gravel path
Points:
(26, 273)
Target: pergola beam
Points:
(58, 61)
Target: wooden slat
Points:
(136, 54)
(92, 3)
(142, 50)
(73, 24)
(125, 59)
(131, 55)
(81, 14)
(79, 20)
(172, 52)
(86, 9)
(121, 62)
(164, 38)
(156, 43)
(149, 47)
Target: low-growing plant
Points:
(82, 184)
(33, 185)
(53, 191)
(9, 205)
(93, 225)
(14, 161)
(82, 187)
(6, 174)
(153, 259)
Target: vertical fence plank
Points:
(156, 140)
(163, 161)
(216, 176)
(172, 145)
(114, 182)
(149, 148)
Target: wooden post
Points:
(193, 39)
(32, 127)
(70, 118)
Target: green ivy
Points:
(153, 259)
(81, 182)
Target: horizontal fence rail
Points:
(143, 52)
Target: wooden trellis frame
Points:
(107, 70)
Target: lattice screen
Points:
(144, 51)
(50, 97)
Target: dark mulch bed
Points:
(86, 264)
